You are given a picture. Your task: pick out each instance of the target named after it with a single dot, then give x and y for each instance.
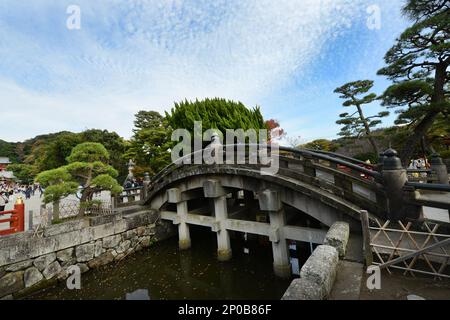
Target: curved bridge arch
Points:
(316, 184)
(313, 201)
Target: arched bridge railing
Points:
(383, 193)
(353, 166)
(353, 181)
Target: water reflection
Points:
(163, 272)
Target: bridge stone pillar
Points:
(270, 201)
(174, 196)
(213, 189)
(394, 176)
(439, 168)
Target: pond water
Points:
(164, 272)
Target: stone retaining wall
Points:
(29, 262)
(319, 272)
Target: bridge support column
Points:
(213, 189)
(184, 237)
(270, 201)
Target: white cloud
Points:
(131, 55)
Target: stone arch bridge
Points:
(310, 191)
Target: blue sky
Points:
(286, 56)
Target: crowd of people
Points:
(8, 189)
(133, 183)
(419, 164)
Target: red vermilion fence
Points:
(16, 220)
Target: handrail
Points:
(132, 189)
(8, 212)
(337, 155)
(16, 220)
(375, 174)
(419, 170)
(429, 186)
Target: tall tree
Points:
(114, 144)
(215, 113)
(356, 123)
(418, 64)
(149, 147)
(422, 9)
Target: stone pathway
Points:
(347, 285)
(351, 278)
(398, 287)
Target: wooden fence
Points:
(412, 247)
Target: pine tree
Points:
(418, 64)
(356, 123)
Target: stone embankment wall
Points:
(318, 274)
(30, 261)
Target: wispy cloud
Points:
(131, 55)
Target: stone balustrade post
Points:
(145, 186)
(394, 177)
(439, 168)
(380, 161)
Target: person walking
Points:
(28, 192)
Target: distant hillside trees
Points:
(45, 152)
(322, 145)
(8, 149)
(25, 173)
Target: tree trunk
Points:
(368, 132)
(419, 131)
(425, 124)
(86, 194)
(84, 197)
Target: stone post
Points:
(394, 177)
(439, 168)
(56, 210)
(30, 220)
(270, 202)
(184, 237)
(213, 189)
(145, 186)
